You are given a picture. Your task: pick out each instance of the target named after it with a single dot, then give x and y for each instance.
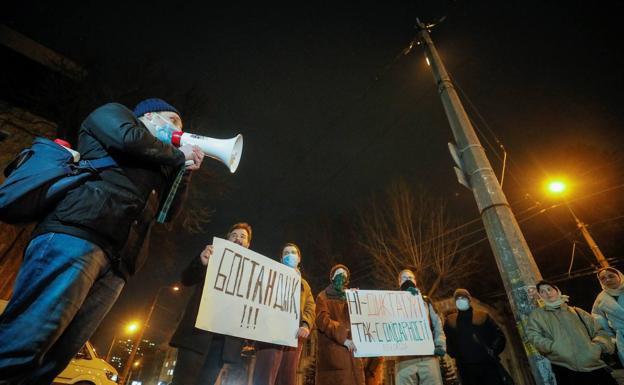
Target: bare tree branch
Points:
(402, 229)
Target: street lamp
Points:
(558, 187)
(129, 329)
(124, 376)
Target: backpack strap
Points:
(97, 164)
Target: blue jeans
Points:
(64, 289)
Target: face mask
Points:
(161, 128)
(291, 260)
(339, 283)
(407, 284)
(462, 304)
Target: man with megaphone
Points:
(83, 251)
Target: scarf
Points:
(618, 291)
(332, 293)
(556, 303)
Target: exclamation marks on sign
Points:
(248, 312)
(244, 312)
(256, 318)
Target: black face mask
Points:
(407, 284)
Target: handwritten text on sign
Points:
(250, 296)
(389, 323)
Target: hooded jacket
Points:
(609, 312)
(567, 340)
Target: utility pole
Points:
(135, 346)
(588, 238)
(513, 257)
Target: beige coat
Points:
(308, 307)
(561, 337)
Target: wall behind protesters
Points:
(18, 128)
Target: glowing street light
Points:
(135, 346)
(132, 327)
(129, 329)
(558, 187)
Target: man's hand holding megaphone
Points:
(193, 155)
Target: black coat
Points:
(469, 336)
(187, 336)
(116, 208)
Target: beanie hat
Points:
(461, 293)
(339, 266)
(153, 105)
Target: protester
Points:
(335, 363)
(609, 306)
(277, 364)
(421, 370)
(474, 340)
(83, 251)
(570, 338)
(202, 354)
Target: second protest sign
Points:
(389, 323)
(250, 296)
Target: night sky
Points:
(332, 112)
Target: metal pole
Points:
(135, 346)
(110, 350)
(602, 261)
(513, 257)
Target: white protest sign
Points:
(250, 296)
(389, 323)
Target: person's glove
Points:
(413, 290)
(440, 352)
(349, 345)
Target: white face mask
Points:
(462, 304)
(161, 128)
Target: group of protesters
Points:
(469, 335)
(576, 343)
(84, 250)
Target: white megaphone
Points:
(227, 151)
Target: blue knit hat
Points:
(153, 105)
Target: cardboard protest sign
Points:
(389, 323)
(250, 296)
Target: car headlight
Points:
(111, 376)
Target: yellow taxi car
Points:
(86, 368)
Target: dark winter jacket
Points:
(187, 336)
(469, 335)
(116, 208)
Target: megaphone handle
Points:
(189, 163)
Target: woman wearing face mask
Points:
(276, 364)
(335, 363)
(474, 340)
(609, 306)
(570, 338)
